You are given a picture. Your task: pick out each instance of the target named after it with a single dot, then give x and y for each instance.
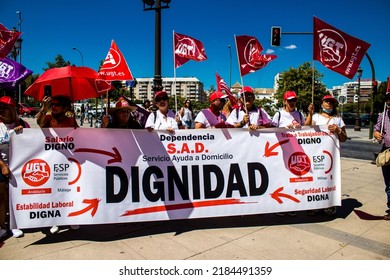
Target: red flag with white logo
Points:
(223, 87)
(7, 40)
(249, 54)
(337, 50)
(115, 67)
(187, 48)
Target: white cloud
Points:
(270, 51)
(291, 47)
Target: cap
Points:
(123, 104)
(289, 95)
(8, 101)
(160, 93)
(328, 96)
(246, 89)
(216, 95)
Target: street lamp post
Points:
(81, 55)
(230, 72)
(156, 6)
(357, 123)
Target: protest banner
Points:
(61, 177)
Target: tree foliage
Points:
(299, 80)
(59, 61)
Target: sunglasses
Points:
(330, 101)
(292, 100)
(165, 98)
(55, 105)
(248, 96)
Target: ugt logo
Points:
(299, 163)
(36, 172)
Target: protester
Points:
(187, 114)
(335, 124)
(147, 106)
(213, 117)
(249, 116)
(163, 118)
(8, 120)
(289, 116)
(382, 134)
(122, 116)
(59, 116)
(82, 114)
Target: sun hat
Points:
(123, 104)
(329, 97)
(8, 101)
(216, 95)
(289, 95)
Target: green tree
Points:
(59, 61)
(299, 80)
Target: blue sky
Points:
(55, 27)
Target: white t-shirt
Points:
(284, 118)
(161, 122)
(208, 119)
(257, 116)
(318, 119)
(187, 115)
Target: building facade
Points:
(190, 88)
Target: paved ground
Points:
(357, 232)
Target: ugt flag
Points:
(223, 87)
(12, 73)
(186, 48)
(249, 54)
(337, 50)
(7, 40)
(115, 67)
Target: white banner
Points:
(81, 176)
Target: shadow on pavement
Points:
(112, 232)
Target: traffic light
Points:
(374, 88)
(276, 32)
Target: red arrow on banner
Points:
(278, 194)
(93, 204)
(268, 151)
(116, 156)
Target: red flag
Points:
(7, 40)
(115, 67)
(337, 50)
(388, 84)
(249, 54)
(222, 87)
(187, 48)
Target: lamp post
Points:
(230, 72)
(81, 55)
(156, 6)
(357, 123)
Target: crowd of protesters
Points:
(56, 112)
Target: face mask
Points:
(328, 111)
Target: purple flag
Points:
(12, 73)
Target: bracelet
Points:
(242, 124)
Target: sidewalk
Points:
(357, 232)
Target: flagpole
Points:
(312, 82)
(174, 69)
(239, 69)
